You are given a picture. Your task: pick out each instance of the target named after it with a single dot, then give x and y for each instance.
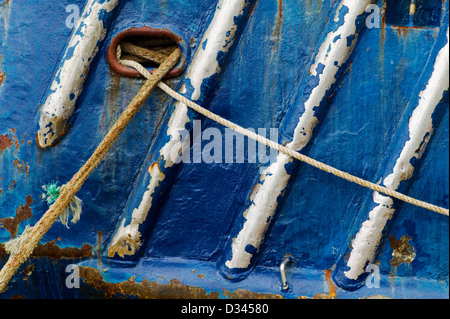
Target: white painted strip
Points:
(368, 237)
(218, 38)
(127, 238)
(333, 52)
(69, 79)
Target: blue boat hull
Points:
(263, 78)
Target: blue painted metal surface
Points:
(197, 217)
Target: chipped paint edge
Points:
(67, 85)
(216, 41)
(330, 57)
(420, 128)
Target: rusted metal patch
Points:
(51, 250)
(11, 224)
(10, 138)
(5, 140)
(155, 290)
(403, 252)
(145, 289)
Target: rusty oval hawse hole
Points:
(160, 41)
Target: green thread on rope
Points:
(52, 191)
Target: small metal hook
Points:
(286, 261)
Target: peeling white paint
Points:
(275, 178)
(368, 238)
(69, 79)
(177, 123)
(217, 38)
(420, 123)
(332, 53)
(127, 238)
(420, 129)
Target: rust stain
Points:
(5, 142)
(11, 224)
(22, 166)
(154, 290)
(276, 33)
(51, 250)
(99, 248)
(8, 140)
(332, 292)
(12, 184)
(403, 31)
(403, 251)
(2, 74)
(382, 35)
(252, 9)
(145, 289)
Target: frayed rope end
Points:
(75, 207)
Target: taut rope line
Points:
(281, 148)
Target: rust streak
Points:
(402, 31)
(2, 74)
(279, 20)
(332, 292)
(12, 184)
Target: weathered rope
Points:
(23, 248)
(281, 148)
